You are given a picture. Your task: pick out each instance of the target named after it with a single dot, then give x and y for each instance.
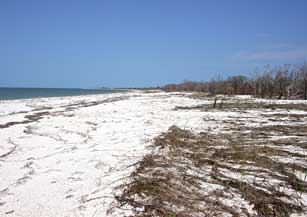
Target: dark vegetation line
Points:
(70, 107)
(284, 82)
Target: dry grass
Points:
(228, 104)
(256, 170)
(198, 175)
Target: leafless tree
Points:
(303, 75)
(280, 82)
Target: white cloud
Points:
(288, 55)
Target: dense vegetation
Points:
(279, 82)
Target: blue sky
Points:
(77, 43)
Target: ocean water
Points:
(7, 93)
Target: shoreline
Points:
(69, 156)
(22, 93)
(70, 161)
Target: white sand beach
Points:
(66, 156)
(69, 160)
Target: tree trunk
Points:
(305, 89)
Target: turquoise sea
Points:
(8, 93)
